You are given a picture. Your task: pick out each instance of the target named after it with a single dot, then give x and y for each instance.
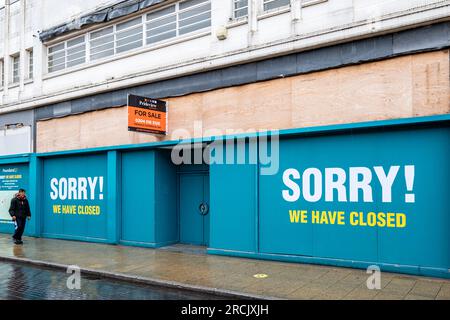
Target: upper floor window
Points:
(15, 68)
(178, 19)
(240, 8)
(2, 73)
(175, 20)
(30, 63)
(274, 4)
(102, 43)
(129, 35)
(193, 15)
(161, 25)
(67, 54)
(116, 39)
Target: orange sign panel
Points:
(147, 115)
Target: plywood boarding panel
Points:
(414, 85)
(371, 91)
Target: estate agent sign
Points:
(147, 115)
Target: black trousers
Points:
(20, 227)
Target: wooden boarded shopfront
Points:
(409, 86)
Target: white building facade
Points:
(53, 52)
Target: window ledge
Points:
(274, 12)
(236, 22)
(145, 49)
(313, 2)
(13, 85)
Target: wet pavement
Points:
(25, 282)
(195, 270)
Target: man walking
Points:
(20, 212)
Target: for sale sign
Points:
(147, 115)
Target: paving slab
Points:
(361, 294)
(191, 268)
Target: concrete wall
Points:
(414, 85)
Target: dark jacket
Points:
(19, 208)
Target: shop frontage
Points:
(353, 195)
(332, 189)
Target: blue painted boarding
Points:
(421, 247)
(134, 195)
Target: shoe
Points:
(18, 242)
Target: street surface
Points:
(19, 282)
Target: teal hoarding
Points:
(352, 195)
(375, 197)
(357, 198)
(75, 194)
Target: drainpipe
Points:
(252, 20)
(23, 55)
(40, 62)
(296, 16)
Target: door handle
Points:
(204, 209)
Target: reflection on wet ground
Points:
(18, 282)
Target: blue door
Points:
(194, 208)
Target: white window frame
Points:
(114, 34)
(177, 14)
(88, 35)
(263, 2)
(30, 64)
(15, 80)
(147, 22)
(307, 3)
(66, 55)
(2, 73)
(53, 53)
(234, 10)
(89, 40)
(180, 11)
